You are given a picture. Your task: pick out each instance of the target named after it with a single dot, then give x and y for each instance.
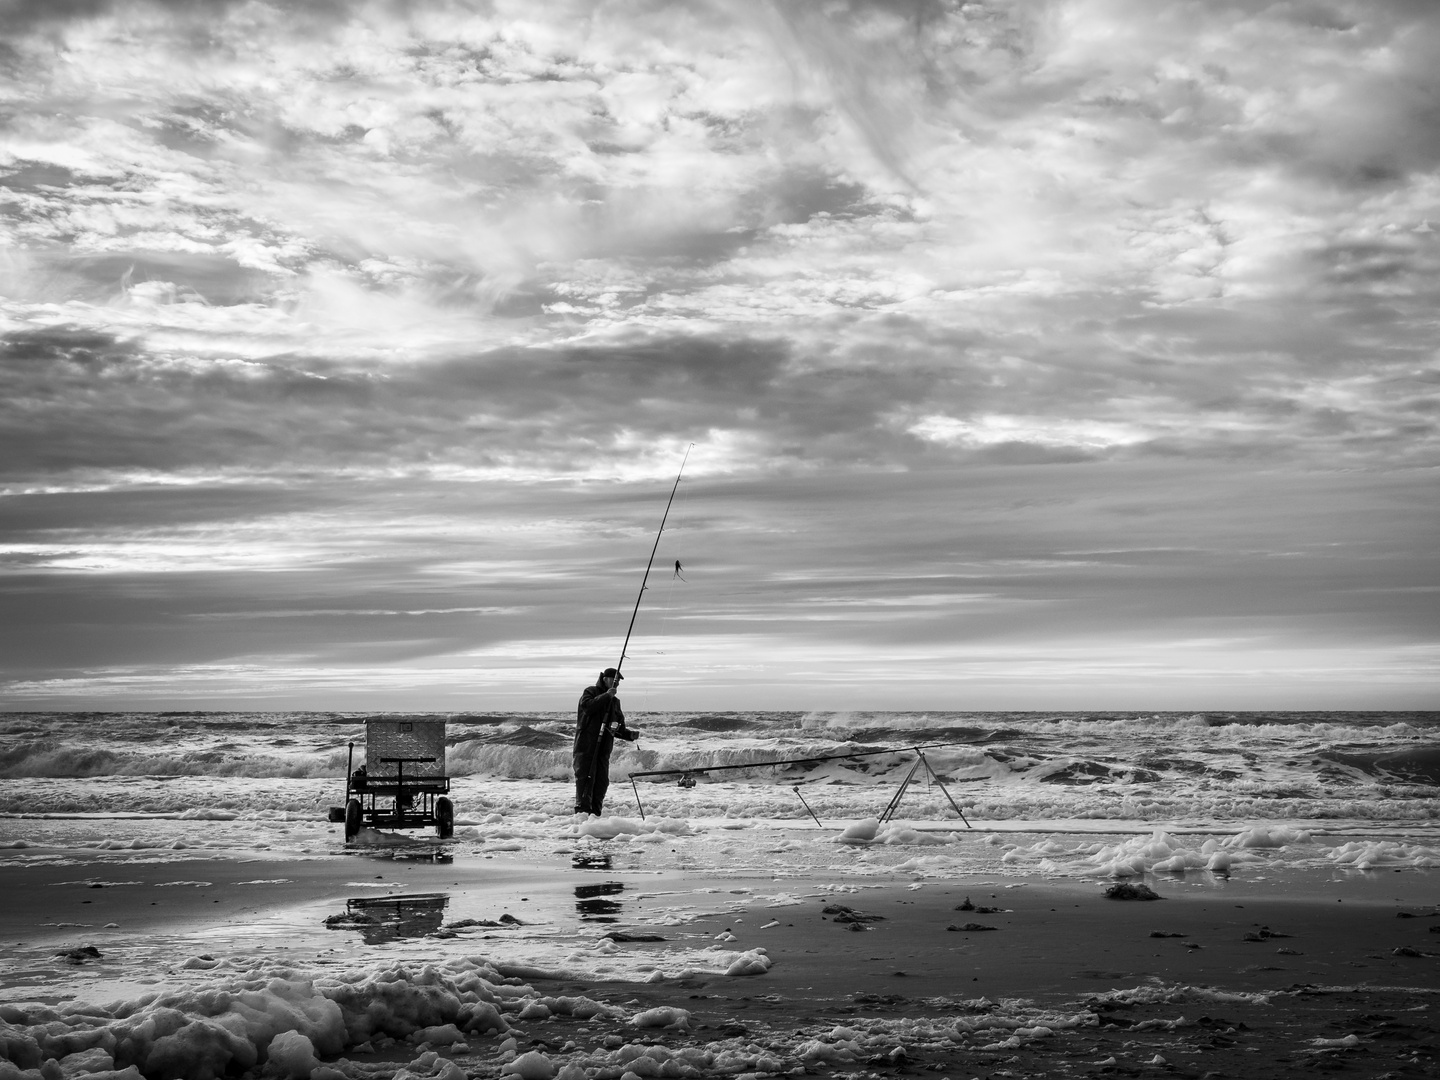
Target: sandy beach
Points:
(992, 976)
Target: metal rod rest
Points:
(805, 804)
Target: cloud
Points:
(369, 307)
(1039, 431)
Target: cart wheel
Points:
(352, 818)
(444, 818)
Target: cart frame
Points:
(402, 784)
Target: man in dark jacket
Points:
(599, 721)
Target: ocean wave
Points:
(1208, 729)
(46, 759)
(712, 722)
(909, 723)
(511, 760)
(535, 738)
(488, 719)
(1418, 766)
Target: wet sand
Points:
(1227, 978)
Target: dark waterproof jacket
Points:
(598, 723)
(597, 705)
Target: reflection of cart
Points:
(402, 784)
(382, 919)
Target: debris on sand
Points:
(1124, 890)
(486, 924)
(1162, 933)
(349, 920)
(81, 954)
(1264, 934)
(845, 914)
(969, 905)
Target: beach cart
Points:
(402, 784)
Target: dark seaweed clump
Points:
(1124, 890)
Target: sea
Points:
(151, 778)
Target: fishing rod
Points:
(687, 776)
(599, 756)
(698, 770)
(651, 563)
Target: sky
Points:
(1038, 354)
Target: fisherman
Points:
(599, 721)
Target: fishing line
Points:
(667, 606)
(650, 563)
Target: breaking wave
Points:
(47, 759)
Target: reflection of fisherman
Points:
(598, 723)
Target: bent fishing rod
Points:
(651, 563)
(597, 754)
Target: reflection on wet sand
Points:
(590, 901)
(411, 852)
(392, 918)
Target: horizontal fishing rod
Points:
(687, 774)
(800, 761)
